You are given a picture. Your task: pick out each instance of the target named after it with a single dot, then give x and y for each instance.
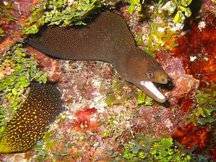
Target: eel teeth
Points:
(156, 94)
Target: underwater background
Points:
(100, 116)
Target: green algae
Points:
(62, 13)
(204, 112)
(17, 70)
(148, 148)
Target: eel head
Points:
(143, 71)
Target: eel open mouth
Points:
(153, 91)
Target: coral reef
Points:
(106, 118)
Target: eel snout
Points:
(150, 89)
(143, 71)
(148, 86)
(159, 76)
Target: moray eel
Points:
(107, 38)
(32, 119)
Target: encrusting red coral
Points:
(20, 10)
(213, 152)
(192, 137)
(83, 120)
(183, 84)
(52, 66)
(197, 49)
(191, 65)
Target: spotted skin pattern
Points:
(32, 119)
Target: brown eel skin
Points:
(107, 38)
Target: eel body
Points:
(32, 119)
(107, 38)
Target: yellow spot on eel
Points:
(32, 119)
(107, 38)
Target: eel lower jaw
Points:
(151, 90)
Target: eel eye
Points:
(150, 74)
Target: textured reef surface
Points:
(106, 118)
